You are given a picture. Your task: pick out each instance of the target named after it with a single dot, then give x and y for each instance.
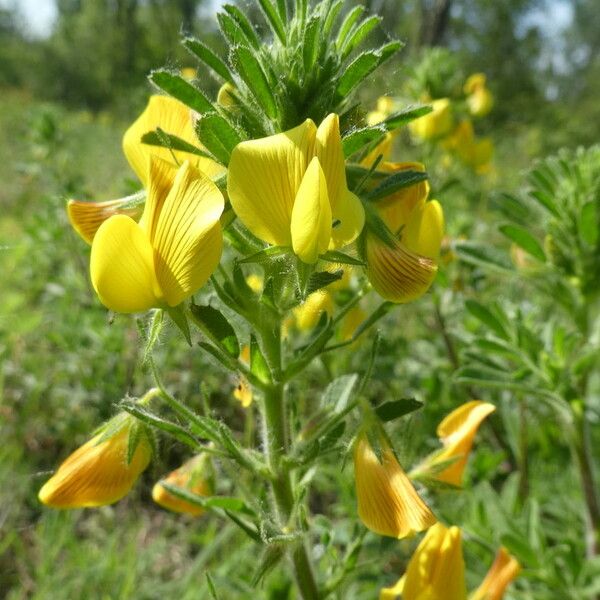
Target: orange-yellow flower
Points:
(402, 271)
(195, 476)
(456, 432)
(388, 503)
(101, 471)
(503, 571)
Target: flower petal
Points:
(311, 215)
(263, 180)
(172, 117)
(97, 473)
(388, 503)
(504, 570)
(122, 267)
(425, 229)
(86, 217)
(346, 208)
(396, 273)
(187, 239)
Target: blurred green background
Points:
(72, 77)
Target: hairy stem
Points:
(275, 447)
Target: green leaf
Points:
(340, 258)
(211, 587)
(312, 42)
(589, 222)
(153, 332)
(406, 115)
(395, 182)
(232, 31)
(265, 255)
(483, 256)
(229, 503)
(339, 392)
(167, 140)
(359, 138)
(250, 70)
(349, 20)
(321, 279)
(363, 65)
(216, 327)
(258, 363)
(511, 207)
(525, 240)
(486, 316)
(218, 136)
(389, 411)
(271, 557)
(203, 53)
(242, 20)
(273, 19)
(331, 16)
(546, 201)
(185, 92)
(359, 33)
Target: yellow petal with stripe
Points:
(97, 473)
(346, 208)
(122, 267)
(388, 503)
(86, 217)
(187, 239)
(172, 117)
(264, 177)
(311, 215)
(425, 229)
(162, 178)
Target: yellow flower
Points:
(98, 472)
(353, 318)
(404, 270)
(436, 570)
(385, 107)
(290, 189)
(225, 97)
(476, 153)
(504, 570)
(479, 98)
(456, 432)
(172, 251)
(435, 124)
(196, 476)
(255, 283)
(307, 315)
(189, 73)
(162, 112)
(388, 504)
(243, 392)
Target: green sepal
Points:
(184, 91)
(320, 279)
(216, 327)
(340, 258)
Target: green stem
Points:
(276, 446)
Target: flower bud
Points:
(504, 569)
(195, 476)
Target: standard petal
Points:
(161, 179)
(264, 177)
(86, 217)
(172, 117)
(188, 239)
(122, 268)
(396, 273)
(425, 229)
(311, 215)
